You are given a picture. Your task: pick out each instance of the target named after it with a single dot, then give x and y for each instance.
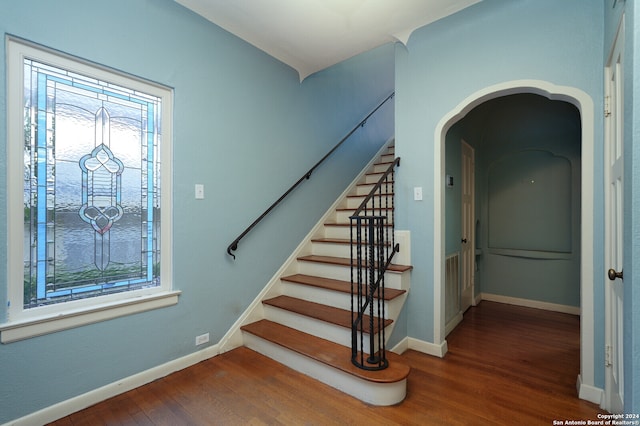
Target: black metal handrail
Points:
(372, 250)
(234, 245)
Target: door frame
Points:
(583, 102)
(613, 402)
(470, 236)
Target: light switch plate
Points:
(417, 193)
(199, 191)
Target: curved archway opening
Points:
(584, 105)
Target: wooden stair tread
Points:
(335, 285)
(343, 261)
(326, 313)
(327, 352)
(345, 209)
(373, 183)
(331, 240)
(345, 224)
(390, 194)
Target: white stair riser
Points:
(380, 168)
(366, 189)
(372, 178)
(387, 158)
(343, 216)
(338, 272)
(343, 232)
(381, 394)
(331, 249)
(354, 202)
(327, 297)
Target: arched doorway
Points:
(584, 104)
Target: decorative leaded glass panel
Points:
(91, 187)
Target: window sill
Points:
(32, 327)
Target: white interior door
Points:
(614, 147)
(468, 227)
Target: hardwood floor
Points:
(506, 365)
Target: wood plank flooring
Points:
(506, 365)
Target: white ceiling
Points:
(310, 35)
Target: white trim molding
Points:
(433, 349)
(528, 303)
(590, 393)
(39, 326)
(20, 322)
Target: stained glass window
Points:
(91, 186)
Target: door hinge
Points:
(607, 356)
(607, 106)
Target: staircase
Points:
(305, 318)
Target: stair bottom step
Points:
(328, 362)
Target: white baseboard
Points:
(477, 299)
(590, 393)
(401, 347)
(574, 310)
(420, 346)
(453, 323)
(80, 402)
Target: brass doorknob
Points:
(613, 274)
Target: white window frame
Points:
(20, 323)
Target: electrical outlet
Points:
(202, 339)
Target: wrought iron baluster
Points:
(375, 258)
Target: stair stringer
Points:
(255, 311)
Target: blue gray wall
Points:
(632, 211)
(443, 64)
(245, 127)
